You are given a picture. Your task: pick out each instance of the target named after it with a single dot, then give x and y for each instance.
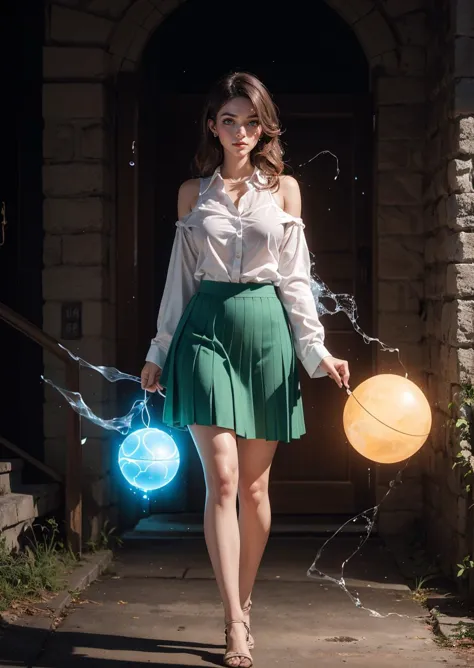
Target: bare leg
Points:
(217, 449)
(255, 459)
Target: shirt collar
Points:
(256, 177)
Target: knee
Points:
(222, 486)
(253, 492)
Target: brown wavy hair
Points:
(267, 154)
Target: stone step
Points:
(10, 475)
(19, 509)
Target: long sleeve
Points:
(297, 298)
(180, 286)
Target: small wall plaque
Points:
(71, 320)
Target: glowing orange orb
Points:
(387, 418)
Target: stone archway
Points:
(423, 197)
(376, 33)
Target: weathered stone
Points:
(374, 34)
(69, 25)
(97, 491)
(463, 97)
(400, 296)
(140, 11)
(52, 318)
(464, 16)
(400, 257)
(73, 179)
(68, 216)
(58, 141)
(400, 188)
(412, 28)
(463, 57)
(98, 319)
(385, 64)
(55, 452)
(465, 144)
(85, 249)
(401, 90)
(395, 122)
(73, 100)
(55, 419)
(93, 142)
(114, 9)
(440, 182)
(400, 327)
(399, 7)
(460, 175)
(97, 454)
(459, 206)
(460, 247)
(403, 220)
(122, 38)
(466, 364)
(392, 155)
(153, 21)
(350, 11)
(75, 63)
(460, 280)
(413, 60)
(465, 314)
(458, 322)
(74, 283)
(51, 250)
(435, 279)
(135, 50)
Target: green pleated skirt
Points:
(232, 364)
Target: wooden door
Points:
(319, 473)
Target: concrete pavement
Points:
(159, 605)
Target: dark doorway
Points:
(318, 75)
(21, 252)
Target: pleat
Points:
(247, 376)
(222, 408)
(258, 375)
(285, 406)
(201, 380)
(232, 363)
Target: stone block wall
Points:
(449, 262)
(423, 212)
(79, 238)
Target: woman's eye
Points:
(253, 123)
(227, 121)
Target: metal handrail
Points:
(73, 478)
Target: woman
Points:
(237, 309)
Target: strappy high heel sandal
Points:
(229, 655)
(251, 640)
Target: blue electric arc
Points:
(148, 459)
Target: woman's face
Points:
(237, 126)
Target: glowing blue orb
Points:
(148, 459)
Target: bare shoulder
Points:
(290, 190)
(289, 183)
(187, 196)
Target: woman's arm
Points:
(297, 297)
(180, 283)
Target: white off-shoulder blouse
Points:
(253, 242)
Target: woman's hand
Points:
(337, 369)
(150, 376)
